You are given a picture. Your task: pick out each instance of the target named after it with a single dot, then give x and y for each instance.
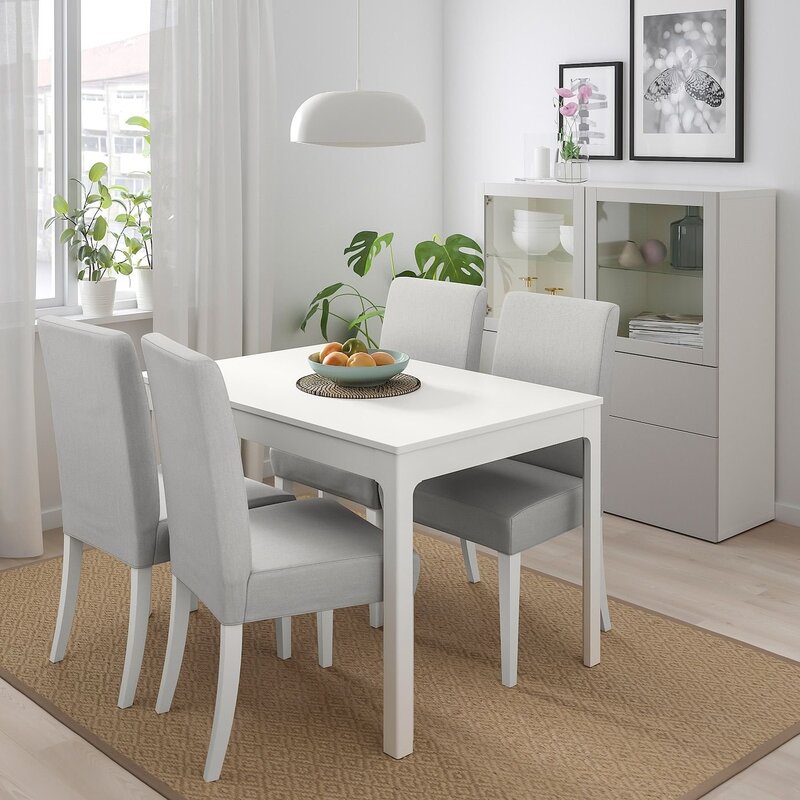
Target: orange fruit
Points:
(361, 360)
(331, 347)
(335, 359)
(382, 359)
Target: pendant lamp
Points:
(358, 118)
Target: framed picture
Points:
(600, 115)
(687, 70)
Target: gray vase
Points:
(686, 240)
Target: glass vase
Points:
(686, 241)
(572, 170)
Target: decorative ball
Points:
(654, 251)
(630, 256)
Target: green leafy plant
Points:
(139, 214)
(457, 258)
(87, 228)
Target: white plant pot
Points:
(97, 297)
(143, 284)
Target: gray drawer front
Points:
(667, 393)
(660, 476)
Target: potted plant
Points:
(87, 229)
(456, 258)
(572, 164)
(139, 237)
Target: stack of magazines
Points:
(681, 329)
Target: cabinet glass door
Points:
(533, 244)
(652, 260)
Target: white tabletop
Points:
(451, 404)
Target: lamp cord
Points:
(358, 44)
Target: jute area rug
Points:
(671, 712)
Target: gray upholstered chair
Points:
(514, 504)
(246, 566)
(111, 492)
(436, 321)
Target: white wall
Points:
(325, 195)
(500, 67)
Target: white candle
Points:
(541, 163)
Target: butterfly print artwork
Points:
(698, 83)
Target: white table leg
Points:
(398, 623)
(592, 537)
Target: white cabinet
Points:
(690, 440)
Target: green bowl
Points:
(363, 376)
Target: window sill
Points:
(116, 316)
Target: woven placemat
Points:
(322, 387)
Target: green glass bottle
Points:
(686, 240)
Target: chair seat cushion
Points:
(338, 482)
(506, 505)
(258, 495)
(309, 556)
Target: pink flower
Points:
(568, 110)
(584, 92)
(565, 92)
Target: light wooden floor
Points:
(747, 588)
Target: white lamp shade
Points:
(358, 119)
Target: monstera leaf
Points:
(363, 249)
(457, 259)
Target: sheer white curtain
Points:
(212, 80)
(20, 513)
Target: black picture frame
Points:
(619, 103)
(737, 81)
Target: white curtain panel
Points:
(212, 79)
(20, 513)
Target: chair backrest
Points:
(557, 341)
(209, 526)
(436, 321)
(104, 439)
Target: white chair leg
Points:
(376, 615)
(325, 638)
(281, 483)
(70, 579)
(176, 642)
(375, 517)
(605, 615)
(509, 572)
(194, 603)
(470, 554)
(230, 662)
(283, 637)
(141, 583)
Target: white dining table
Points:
(455, 420)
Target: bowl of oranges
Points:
(354, 364)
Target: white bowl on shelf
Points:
(536, 241)
(538, 216)
(567, 235)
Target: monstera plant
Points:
(457, 258)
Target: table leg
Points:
(592, 537)
(398, 623)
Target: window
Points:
(93, 77)
(129, 144)
(94, 143)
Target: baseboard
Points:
(51, 518)
(786, 512)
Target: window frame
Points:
(68, 155)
